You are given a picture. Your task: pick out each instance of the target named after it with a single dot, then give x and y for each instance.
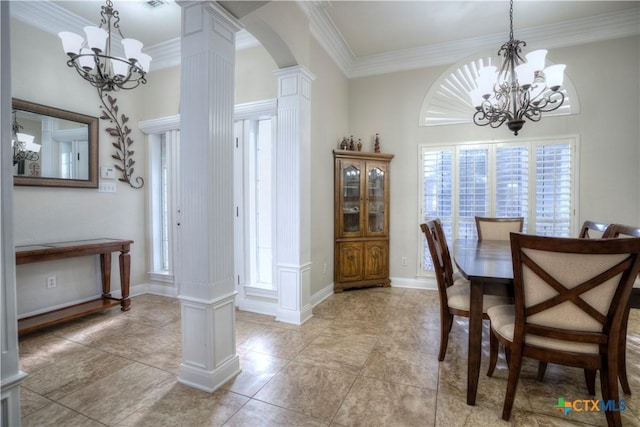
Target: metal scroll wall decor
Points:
(120, 131)
(94, 62)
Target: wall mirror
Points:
(53, 147)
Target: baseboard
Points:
(321, 295)
(428, 283)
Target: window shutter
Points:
(531, 179)
(553, 190)
(437, 193)
(512, 181)
(473, 195)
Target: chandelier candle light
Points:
(521, 89)
(23, 146)
(94, 62)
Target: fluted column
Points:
(11, 375)
(293, 202)
(205, 213)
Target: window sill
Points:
(260, 292)
(161, 277)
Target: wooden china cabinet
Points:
(361, 219)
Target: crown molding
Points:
(327, 35)
(51, 18)
(47, 16)
(569, 33)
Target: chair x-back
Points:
(571, 300)
(593, 230)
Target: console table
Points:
(59, 250)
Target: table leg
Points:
(475, 340)
(125, 268)
(105, 271)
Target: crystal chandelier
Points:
(95, 63)
(93, 59)
(23, 146)
(521, 89)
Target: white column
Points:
(293, 206)
(205, 209)
(10, 373)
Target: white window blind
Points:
(533, 179)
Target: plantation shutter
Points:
(473, 195)
(553, 202)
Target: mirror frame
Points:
(93, 124)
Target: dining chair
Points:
(593, 230)
(623, 231)
(589, 230)
(571, 299)
(453, 289)
(492, 228)
(603, 230)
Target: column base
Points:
(209, 356)
(10, 399)
(209, 381)
(294, 283)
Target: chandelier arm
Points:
(552, 102)
(102, 80)
(533, 114)
(123, 143)
(100, 68)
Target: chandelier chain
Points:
(511, 20)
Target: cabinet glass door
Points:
(351, 199)
(376, 206)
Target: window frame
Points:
(169, 127)
(456, 147)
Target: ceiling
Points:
(359, 33)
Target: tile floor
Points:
(367, 358)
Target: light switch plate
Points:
(107, 172)
(106, 187)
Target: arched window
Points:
(448, 101)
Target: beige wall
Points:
(160, 97)
(607, 128)
(254, 76)
(606, 77)
(329, 123)
(40, 74)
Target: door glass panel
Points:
(351, 199)
(376, 200)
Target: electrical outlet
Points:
(324, 268)
(404, 261)
(51, 282)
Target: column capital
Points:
(214, 8)
(294, 81)
(294, 71)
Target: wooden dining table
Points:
(488, 267)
